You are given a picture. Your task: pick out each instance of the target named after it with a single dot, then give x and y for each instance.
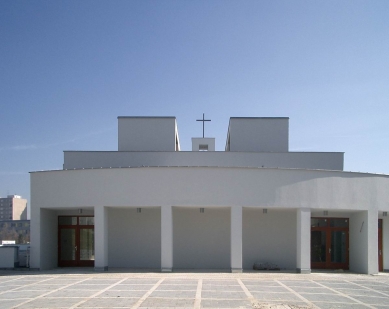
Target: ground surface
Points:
(86, 289)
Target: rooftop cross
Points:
(203, 120)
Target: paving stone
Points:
(260, 283)
(130, 293)
(339, 306)
(211, 303)
(72, 293)
(299, 283)
(281, 305)
(43, 287)
(373, 300)
(179, 281)
(212, 287)
(174, 294)
(223, 295)
(279, 288)
(87, 287)
(109, 303)
(20, 294)
(140, 281)
(360, 292)
(9, 303)
(131, 287)
(266, 296)
(220, 282)
(175, 287)
(51, 303)
(167, 302)
(336, 298)
(304, 289)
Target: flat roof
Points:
(158, 117)
(259, 117)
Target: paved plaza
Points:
(72, 288)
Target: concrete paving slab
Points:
(88, 289)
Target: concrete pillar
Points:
(166, 238)
(364, 242)
(372, 248)
(101, 238)
(303, 241)
(236, 239)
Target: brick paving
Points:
(83, 288)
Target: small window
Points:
(318, 222)
(339, 222)
(203, 147)
(87, 221)
(67, 220)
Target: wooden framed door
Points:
(75, 241)
(329, 243)
(380, 255)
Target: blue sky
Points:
(69, 68)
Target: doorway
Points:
(330, 243)
(76, 241)
(380, 256)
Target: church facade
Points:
(150, 205)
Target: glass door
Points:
(380, 256)
(67, 246)
(329, 243)
(76, 241)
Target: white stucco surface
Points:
(258, 134)
(269, 238)
(107, 159)
(201, 240)
(134, 239)
(147, 133)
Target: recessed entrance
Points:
(330, 243)
(76, 241)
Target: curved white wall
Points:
(196, 186)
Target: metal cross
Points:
(203, 120)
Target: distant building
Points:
(13, 207)
(151, 205)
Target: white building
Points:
(150, 205)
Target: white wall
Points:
(197, 141)
(134, 239)
(269, 237)
(188, 186)
(201, 240)
(258, 134)
(147, 133)
(305, 160)
(8, 257)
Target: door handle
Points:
(75, 248)
(329, 250)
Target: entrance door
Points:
(75, 241)
(329, 243)
(380, 256)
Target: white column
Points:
(303, 259)
(372, 242)
(236, 239)
(101, 238)
(166, 238)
